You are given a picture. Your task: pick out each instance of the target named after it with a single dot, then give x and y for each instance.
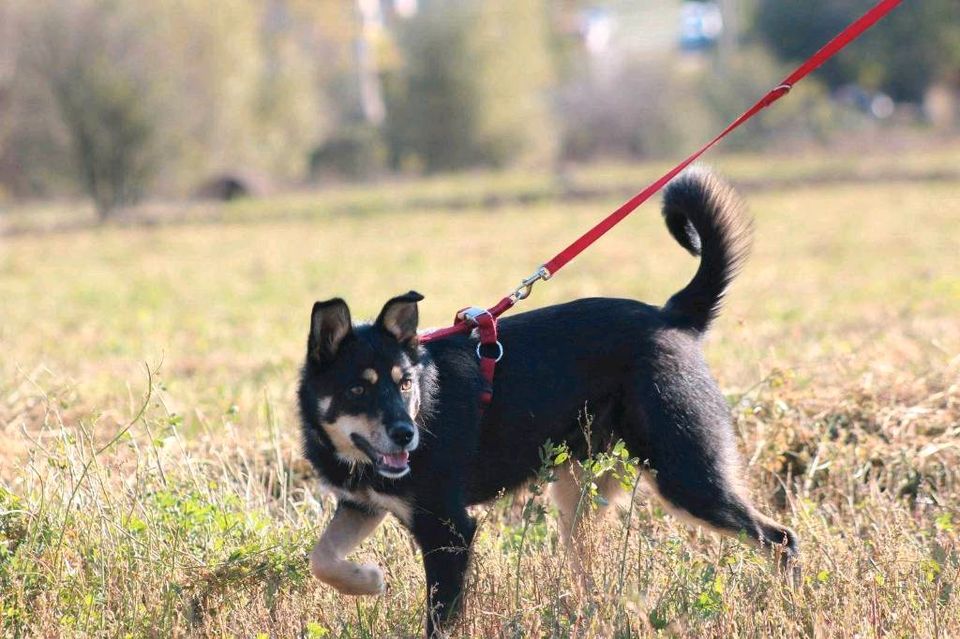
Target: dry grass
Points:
(171, 500)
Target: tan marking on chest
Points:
(401, 508)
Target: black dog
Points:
(394, 426)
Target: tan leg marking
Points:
(576, 509)
(346, 530)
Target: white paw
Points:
(349, 578)
(369, 580)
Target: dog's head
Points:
(361, 391)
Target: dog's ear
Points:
(399, 317)
(329, 325)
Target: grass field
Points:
(151, 482)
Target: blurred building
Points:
(701, 25)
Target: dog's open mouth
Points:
(392, 465)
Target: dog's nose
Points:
(401, 433)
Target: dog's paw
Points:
(349, 578)
(369, 580)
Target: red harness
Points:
(485, 320)
(486, 326)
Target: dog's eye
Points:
(406, 384)
(357, 391)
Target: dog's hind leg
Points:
(730, 514)
(575, 505)
(350, 525)
(682, 422)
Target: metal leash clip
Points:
(522, 292)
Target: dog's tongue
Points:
(396, 460)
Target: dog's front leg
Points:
(350, 525)
(445, 543)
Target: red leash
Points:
(485, 320)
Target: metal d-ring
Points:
(497, 344)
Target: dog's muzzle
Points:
(396, 464)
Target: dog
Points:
(394, 426)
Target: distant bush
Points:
(747, 75)
(909, 50)
(233, 185)
(470, 88)
(662, 107)
(111, 131)
(638, 110)
(354, 152)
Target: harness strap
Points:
(487, 328)
(486, 325)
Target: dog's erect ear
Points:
(329, 325)
(399, 317)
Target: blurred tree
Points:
(167, 93)
(916, 45)
(240, 84)
(86, 54)
(111, 132)
(472, 86)
(516, 77)
(9, 174)
(431, 99)
(290, 113)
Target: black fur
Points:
(637, 369)
(705, 216)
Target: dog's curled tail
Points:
(706, 217)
